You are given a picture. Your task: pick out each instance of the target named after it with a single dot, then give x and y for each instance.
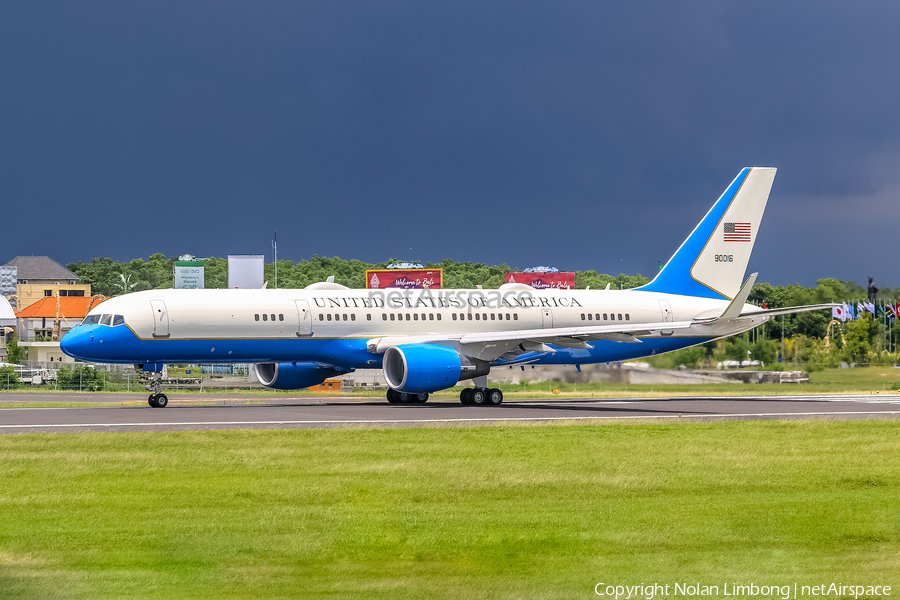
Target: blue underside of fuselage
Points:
(100, 343)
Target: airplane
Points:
(428, 340)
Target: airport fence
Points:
(95, 377)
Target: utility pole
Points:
(275, 246)
(782, 338)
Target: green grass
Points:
(486, 512)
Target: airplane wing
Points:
(496, 343)
(618, 333)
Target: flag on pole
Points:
(870, 306)
(860, 309)
(837, 312)
(847, 312)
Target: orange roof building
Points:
(69, 307)
(39, 319)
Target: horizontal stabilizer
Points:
(774, 312)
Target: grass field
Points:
(487, 512)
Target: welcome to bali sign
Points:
(409, 279)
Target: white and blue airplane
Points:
(428, 340)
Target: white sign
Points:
(189, 275)
(245, 271)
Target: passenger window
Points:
(407, 317)
(598, 316)
(273, 316)
(582, 316)
(265, 317)
(352, 316)
(321, 317)
(431, 316)
(368, 316)
(493, 317)
(620, 316)
(507, 316)
(392, 316)
(345, 317)
(590, 316)
(280, 317)
(256, 317)
(470, 316)
(604, 316)
(439, 316)
(515, 316)
(454, 317)
(415, 316)
(627, 317)
(384, 316)
(329, 316)
(118, 320)
(477, 316)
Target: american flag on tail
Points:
(737, 232)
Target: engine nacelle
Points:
(293, 376)
(421, 367)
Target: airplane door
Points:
(304, 318)
(546, 318)
(160, 319)
(667, 316)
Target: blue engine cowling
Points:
(293, 376)
(421, 367)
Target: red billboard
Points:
(404, 278)
(543, 281)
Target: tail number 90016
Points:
(724, 257)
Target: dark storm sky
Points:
(584, 135)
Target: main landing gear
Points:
(481, 396)
(395, 397)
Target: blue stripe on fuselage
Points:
(101, 343)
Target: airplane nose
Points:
(74, 343)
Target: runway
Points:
(185, 414)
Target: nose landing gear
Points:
(154, 384)
(158, 400)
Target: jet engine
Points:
(419, 368)
(293, 376)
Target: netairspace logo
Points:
(736, 590)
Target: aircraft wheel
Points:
(405, 397)
(494, 397)
(392, 397)
(421, 398)
(478, 397)
(152, 401)
(465, 396)
(161, 401)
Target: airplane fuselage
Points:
(337, 325)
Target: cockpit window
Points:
(106, 319)
(118, 320)
(91, 320)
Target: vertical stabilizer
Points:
(712, 260)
